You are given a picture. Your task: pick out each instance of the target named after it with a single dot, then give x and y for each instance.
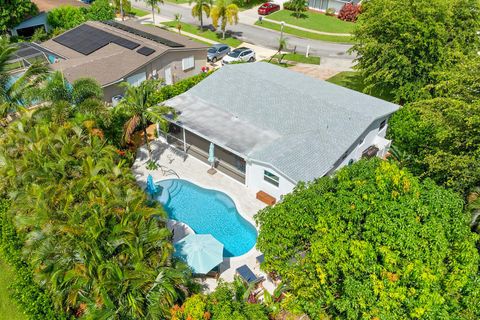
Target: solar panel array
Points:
(86, 39)
(144, 34)
(146, 51)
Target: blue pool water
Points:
(208, 211)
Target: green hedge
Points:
(26, 292)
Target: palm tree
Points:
(200, 7)
(154, 4)
(177, 19)
(15, 92)
(226, 11)
(282, 44)
(142, 106)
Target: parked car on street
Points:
(242, 54)
(267, 8)
(217, 52)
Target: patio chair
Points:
(247, 275)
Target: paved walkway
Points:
(309, 30)
(194, 170)
(328, 68)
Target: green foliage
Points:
(373, 242)
(13, 12)
(403, 44)
(101, 10)
(225, 12)
(170, 91)
(229, 301)
(442, 137)
(95, 246)
(26, 292)
(297, 6)
(66, 17)
(16, 95)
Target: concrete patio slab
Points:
(175, 164)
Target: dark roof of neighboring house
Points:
(112, 62)
(299, 125)
(47, 5)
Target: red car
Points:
(267, 8)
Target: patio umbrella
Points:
(152, 189)
(211, 153)
(202, 252)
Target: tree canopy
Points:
(13, 12)
(402, 44)
(441, 138)
(373, 242)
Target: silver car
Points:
(217, 52)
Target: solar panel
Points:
(25, 52)
(146, 51)
(144, 34)
(86, 39)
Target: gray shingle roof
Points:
(298, 124)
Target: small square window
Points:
(271, 178)
(188, 63)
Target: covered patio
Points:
(174, 163)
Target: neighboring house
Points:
(323, 5)
(29, 25)
(273, 127)
(113, 52)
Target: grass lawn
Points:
(8, 308)
(314, 20)
(299, 58)
(139, 12)
(217, 37)
(304, 34)
(353, 80)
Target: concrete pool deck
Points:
(176, 164)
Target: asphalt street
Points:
(256, 35)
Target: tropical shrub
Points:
(229, 301)
(349, 12)
(330, 12)
(402, 46)
(66, 17)
(101, 10)
(95, 246)
(29, 295)
(13, 12)
(295, 5)
(373, 242)
(442, 138)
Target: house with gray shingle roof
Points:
(273, 127)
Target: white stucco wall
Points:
(372, 136)
(369, 137)
(255, 181)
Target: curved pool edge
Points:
(235, 202)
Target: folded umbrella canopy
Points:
(202, 252)
(152, 189)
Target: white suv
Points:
(242, 54)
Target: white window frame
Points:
(270, 178)
(188, 63)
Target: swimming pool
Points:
(208, 211)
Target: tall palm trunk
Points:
(153, 15)
(145, 136)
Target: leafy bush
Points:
(101, 10)
(373, 242)
(180, 87)
(28, 294)
(295, 5)
(330, 12)
(350, 12)
(67, 17)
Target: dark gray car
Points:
(217, 52)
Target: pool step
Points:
(175, 189)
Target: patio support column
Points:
(184, 141)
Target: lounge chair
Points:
(247, 275)
(260, 259)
